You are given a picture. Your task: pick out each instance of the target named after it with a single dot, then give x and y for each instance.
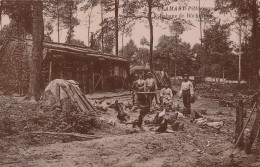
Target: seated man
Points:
(166, 95)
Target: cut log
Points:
(70, 134)
(78, 99)
(58, 94)
(84, 99)
(68, 93)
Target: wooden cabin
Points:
(93, 70)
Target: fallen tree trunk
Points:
(70, 134)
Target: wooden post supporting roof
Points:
(50, 71)
(102, 79)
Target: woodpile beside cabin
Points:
(93, 70)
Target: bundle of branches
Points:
(67, 108)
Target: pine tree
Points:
(36, 58)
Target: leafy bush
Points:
(14, 66)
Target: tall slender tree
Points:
(176, 28)
(61, 12)
(1, 6)
(144, 9)
(217, 45)
(116, 24)
(70, 21)
(246, 10)
(88, 8)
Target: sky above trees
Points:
(140, 29)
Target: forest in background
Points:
(216, 55)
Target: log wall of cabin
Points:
(86, 71)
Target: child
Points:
(187, 92)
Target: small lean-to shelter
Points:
(60, 89)
(92, 69)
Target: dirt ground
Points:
(194, 146)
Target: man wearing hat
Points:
(187, 92)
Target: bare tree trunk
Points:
(116, 24)
(175, 69)
(102, 30)
(169, 58)
(58, 26)
(150, 2)
(240, 52)
(123, 43)
(37, 51)
(201, 43)
(89, 36)
(1, 3)
(223, 75)
(176, 52)
(254, 56)
(89, 22)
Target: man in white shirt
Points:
(187, 92)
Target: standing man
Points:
(138, 86)
(187, 92)
(150, 83)
(150, 86)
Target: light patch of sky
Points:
(141, 28)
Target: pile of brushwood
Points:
(69, 119)
(66, 108)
